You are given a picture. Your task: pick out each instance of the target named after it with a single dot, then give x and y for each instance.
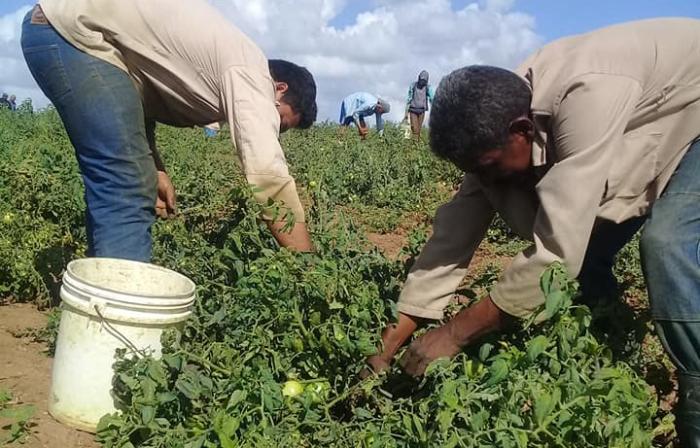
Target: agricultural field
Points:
(272, 354)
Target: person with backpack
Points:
(420, 96)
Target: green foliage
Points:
(14, 419)
(47, 334)
(225, 379)
(277, 339)
(41, 205)
(379, 174)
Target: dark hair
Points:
(472, 111)
(301, 92)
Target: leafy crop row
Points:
(272, 353)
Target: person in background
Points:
(113, 69)
(591, 138)
(13, 102)
(212, 129)
(420, 96)
(357, 106)
(4, 102)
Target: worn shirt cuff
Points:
(519, 300)
(281, 190)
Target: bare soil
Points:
(25, 370)
(390, 244)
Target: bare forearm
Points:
(395, 335)
(297, 238)
(478, 320)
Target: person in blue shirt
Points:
(212, 129)
(420, 96)
(359, 105)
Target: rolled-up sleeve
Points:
(248, 100)
(587, 127)
(459, 227)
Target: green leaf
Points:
(236, 397)
(536, 347)
(148, 413)
(18, 413)
(156, 372)
(498, 371)
(419, 427)
(553, 303)
(148, 389)
(485, 351)
(543, 405)
(187, 388)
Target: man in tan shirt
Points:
(591, 136)
(114, 68)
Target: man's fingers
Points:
(161, 212)
(172, 202)
(375, 365)
(408, 360)
(414, 362)
(161, 208)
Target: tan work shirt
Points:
(193, 67)
(615, 111)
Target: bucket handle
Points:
(116, 333)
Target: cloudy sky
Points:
(379, 46)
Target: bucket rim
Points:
(70, 270)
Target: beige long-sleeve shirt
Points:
(193, 67)
(615, 111)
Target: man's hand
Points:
(467, 326)
(363, 130)
(437, 343)
(166, 202)
(394, 337)
(297, 239)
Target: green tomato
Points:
(298, 344)
(338, 333)
(369, 440)
(8, 218)
(315, 318)
(474, 369)
(318, 391)
(292, 389)
(313, 184)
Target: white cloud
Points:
(15, 78)
(381, 51)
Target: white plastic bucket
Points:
(109, 304)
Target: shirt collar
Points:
(539, 144)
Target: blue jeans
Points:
(103, 115)
(670, 252)
(670, 249)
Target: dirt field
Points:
(25, 371)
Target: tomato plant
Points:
(272, 353)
